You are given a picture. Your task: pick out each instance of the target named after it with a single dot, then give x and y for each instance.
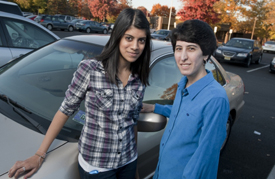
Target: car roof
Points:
(10, 3)
(14, 16)
(103, 39)
(252, 40)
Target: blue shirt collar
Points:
(196, 87)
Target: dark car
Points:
(240, 50)
(272, 65)
(44, 75)
(161, 34)
(90, 26)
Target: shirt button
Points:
(118, 153)
(119, 113)
(187, 114)
(162, 144)
(120, 140)
(121, 100)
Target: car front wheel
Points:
(88, 30)
(104, 31)
(71, 29)
(228, 131)
(248, 61)
(49, 26)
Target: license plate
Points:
(227, 58)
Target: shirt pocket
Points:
(136, 98)
(104, 99)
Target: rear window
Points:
(14, 9)
(270, 42)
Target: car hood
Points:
(19, 143)
(157, 35)
(234, 49)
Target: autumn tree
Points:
(199, 9)
(257, 13)
(159, 10)
(100, 8)
(143, 9)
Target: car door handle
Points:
(151, 122)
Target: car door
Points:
(98, 27)
(22, 36)
(56, 22)
(63, 24)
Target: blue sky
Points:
(148, 4)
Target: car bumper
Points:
(233, 59)
(272, 67)
(271, 49)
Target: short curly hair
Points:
(195, 31)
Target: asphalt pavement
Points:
(250, 151)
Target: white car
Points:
(20, 35)
(33, 87)
(269, 46)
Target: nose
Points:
(183, 55)
(135, 45)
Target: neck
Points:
(193, 79)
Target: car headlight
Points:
(273, 61)
(242, 54)
(218, 51)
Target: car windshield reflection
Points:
(240, 44)
(44, 77)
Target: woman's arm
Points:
(33, 163)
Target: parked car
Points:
(66, 18)
(43, 77)
(90, 26)
(272, 65)
(161, 34)
(269, 46)
(10, 7)
(32, 17)
(54, 22)
(75, 21)
(19, 35)
(25, 14)
(240, 50)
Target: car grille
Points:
(229, 54)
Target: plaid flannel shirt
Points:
(107, 139)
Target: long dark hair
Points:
(110, 54)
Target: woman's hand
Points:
(28, 166)
(147, 108)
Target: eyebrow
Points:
(133, 36)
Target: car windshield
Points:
(270, 42)
(239, 43)
(43, 77)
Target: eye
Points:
(142, 41)
(129, 38)
(177, 49)
(191, 49)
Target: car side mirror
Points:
(151, 122)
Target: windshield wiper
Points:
(16, 107)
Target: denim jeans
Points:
(126, 172)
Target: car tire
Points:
(259, 60)
(248, 63)
(105, 31)
(49, 26)
(88, 30)
(71, 29)
(228, 131)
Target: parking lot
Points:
(250, 152)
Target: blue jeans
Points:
(126, 172)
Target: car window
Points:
(163, 79)
(48, 18)
(215, 71)
(270, 42)
(240, 43)
(26, 35)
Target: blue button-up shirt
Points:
(190, 146)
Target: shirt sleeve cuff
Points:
(158, 108)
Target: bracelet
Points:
(40, 156)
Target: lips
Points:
(133, 54)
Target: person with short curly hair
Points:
(190, 146)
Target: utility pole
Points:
(253, 28)
(170, 15)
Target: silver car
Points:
(33, 87)
(20, 35)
